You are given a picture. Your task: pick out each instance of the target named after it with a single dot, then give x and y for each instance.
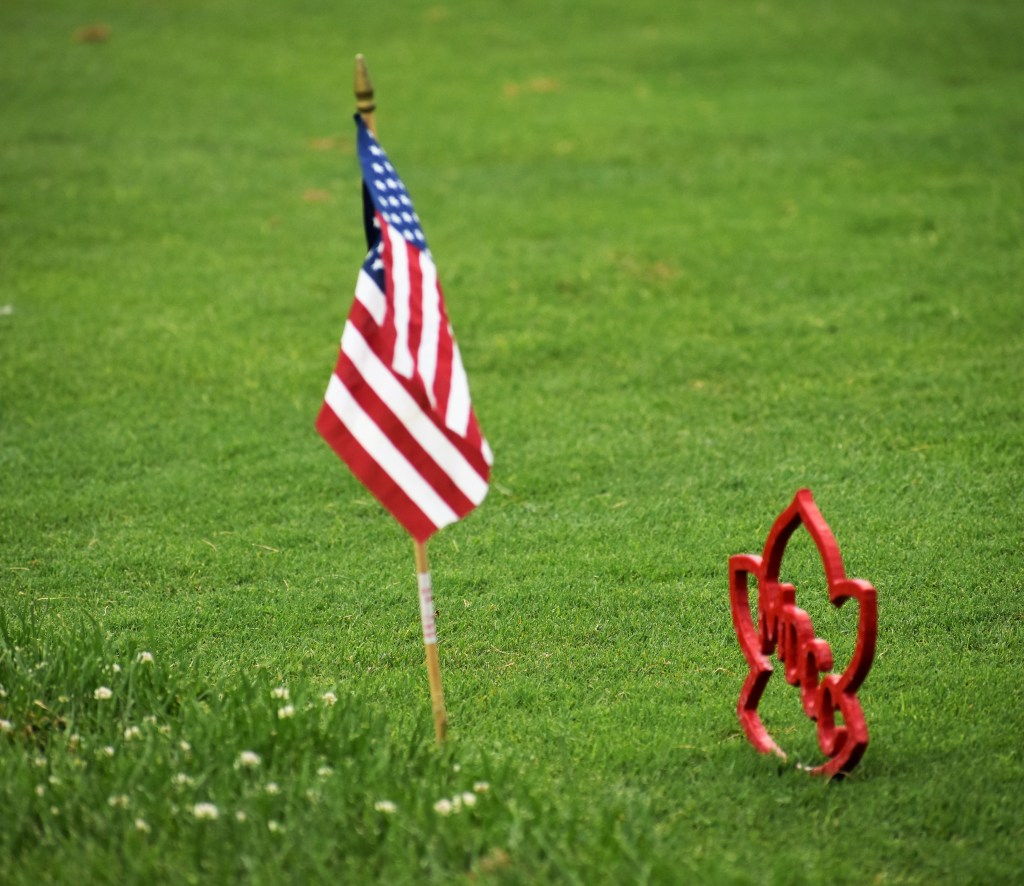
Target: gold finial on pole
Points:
(364, 94)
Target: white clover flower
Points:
(280, 692)
(185, 746)
(165, 729)
(248, 760)
(272, 788)
(481, 787)
(54, 780)
(118, 801)
(456, 767)
(444, 806)
(132, 733)
(40, 790)
(325, 771)
(183, 779)
(142, 826)
(468, 799)
(275, 827)
(144, 658)
(205, 812)
(285, 712)
(149, 720)
(39, 762)
(330, 698)
(240, 816)
(6, 726)
(103, 693)
(54, 811)
(385, 806)
(116, 668)
(108, 750)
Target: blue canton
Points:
(383, 192)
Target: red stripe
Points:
(474, 437)
(470, 446)
(372, 476)
(445, 350)
(415, 331)
(403, 441)
(362, 319)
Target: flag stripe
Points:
(419, 457)
(370, 474)
(372, 439)
(397, 258)
(415, 260)
(471, 445)
(411, 416)
(430, 472)
(457, 413)
(427, 357)
(371, 298)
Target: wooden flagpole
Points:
(366, 106)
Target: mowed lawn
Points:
(697, 256)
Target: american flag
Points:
(397, 408)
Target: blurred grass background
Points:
(696, 255)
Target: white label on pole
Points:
(427, 608)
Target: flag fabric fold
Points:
(397, 408)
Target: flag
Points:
(397, 409)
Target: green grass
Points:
(697, 256)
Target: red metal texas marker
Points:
(786, 630)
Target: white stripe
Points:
(386, 454)
(402, 360)
(427, 362)
(457, 416)
(412, 416)
(370, 297)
